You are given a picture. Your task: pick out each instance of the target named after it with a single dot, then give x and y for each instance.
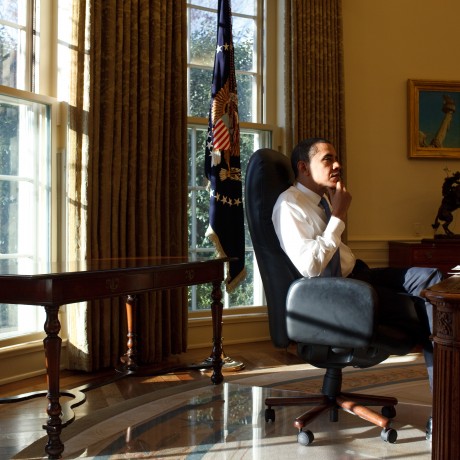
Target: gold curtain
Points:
(314, 90)
(127, 191)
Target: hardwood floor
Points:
(20, 422)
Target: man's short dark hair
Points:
(304, 151)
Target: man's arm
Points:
(306, 239)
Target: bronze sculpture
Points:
(450, 202)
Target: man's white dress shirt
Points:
(310, 243)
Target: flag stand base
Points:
(229, 364)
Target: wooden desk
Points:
(440, 253)
(445, 298)
(91, 280)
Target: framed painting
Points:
(434, 119)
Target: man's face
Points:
(324, 166)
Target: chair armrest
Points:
(337, 312)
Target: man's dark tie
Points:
(333, 267)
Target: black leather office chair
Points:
(334, 321)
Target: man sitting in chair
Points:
(309, 219)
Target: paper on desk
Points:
(454, 271)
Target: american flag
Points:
(222, 158)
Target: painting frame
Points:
(434, 119)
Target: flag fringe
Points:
(232, 285)
(212, 235)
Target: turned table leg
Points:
(216, 354)
(129, 359)
(52, 344)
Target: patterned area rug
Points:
(227, 421)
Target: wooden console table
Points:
(445, 298)
(91, 280)
(440, 253)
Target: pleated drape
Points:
(314, 91)
(128, 166)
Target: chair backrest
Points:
(268, 174)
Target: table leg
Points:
(216, 354)
(129, 359)
(52, 344)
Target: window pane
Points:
(200, 297)
(205, 3)
(8, 319)
(243, 42)
(202, 40)
(199, 201)
(244, 293)
(64, 48)
(244, 7)
(13, 11)
(201, 137)
(15, 63)
(246, 97)
(238, 6)
(199, 92)
(13, 219)
(12, 52)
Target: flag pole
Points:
(223, 164)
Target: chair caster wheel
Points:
(305, 437)
(389, 411)
(389, 435)
(269, 415)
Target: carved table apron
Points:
(98, 279)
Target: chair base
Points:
(333, 399)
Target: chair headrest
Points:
(269, 174)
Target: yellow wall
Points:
(386, 43)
